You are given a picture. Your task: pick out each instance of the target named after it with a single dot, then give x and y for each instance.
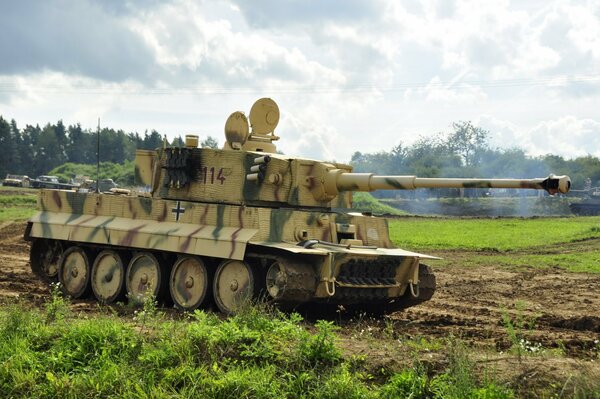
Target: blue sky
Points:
(348, 75)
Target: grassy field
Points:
(54, 351)
(491, 234)
(541, 242)
(258, 353)
(17, 206)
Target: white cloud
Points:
(349, 75)
(568, 136)
(196, 50)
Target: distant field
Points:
(491, 234)
(15, 190)
(16, 206)
(567, 243)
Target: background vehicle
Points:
(16, 181)
(590, 205)
(105, 185)
(50, 182)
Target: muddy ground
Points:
(556, 312)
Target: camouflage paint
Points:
(146, 205)
(100, 228)
(479, 184)
(220, 224)
(396, 184)
(307, 188)
(279, 218)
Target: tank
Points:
(590, 205)
(226, 226)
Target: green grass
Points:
(365, 202)
(18, 189)
(17, 207)
(256, 354)
(490, 234)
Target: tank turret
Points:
(233, 224)
(249, 171)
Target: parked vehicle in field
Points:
(16, 181)
(590, 205)
(46, 181)
(105, 185)
(229, 225)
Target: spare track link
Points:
(377, 307)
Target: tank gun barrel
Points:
(370, 182)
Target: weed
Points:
(406, 384)
(342, 383)
(389, 329)
(58, 307)
(423, 344)
(320, 347)
(517, 329)
(583, 386)
(459, 379)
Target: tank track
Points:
(370, 300)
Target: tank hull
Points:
(350, 263)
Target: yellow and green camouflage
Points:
(239, 222)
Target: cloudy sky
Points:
(348, 75)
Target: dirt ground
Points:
(556, 312)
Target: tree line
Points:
(466, 152)
(463, 152)
(35, 150)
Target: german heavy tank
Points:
(229, 225)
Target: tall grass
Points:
(259, 353)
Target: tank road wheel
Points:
(233, 286)
(44, 258)
(74, 272)
(189, 282)
(108, 277)
(144, 277)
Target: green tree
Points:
(15, 146)
(5, 142)
(209, 142)
(468, 141)
(152, 141)
(79, 148)
(29, 149)
(177, 142)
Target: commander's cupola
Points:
(258, 135)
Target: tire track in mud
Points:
(541, 304)
(16, 278)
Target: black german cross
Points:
(178, 211)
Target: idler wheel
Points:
(189, 283)
(144, 277)
(44, 258)
(276, 280)
(74, 272)
(108, 277)
(233, 286)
